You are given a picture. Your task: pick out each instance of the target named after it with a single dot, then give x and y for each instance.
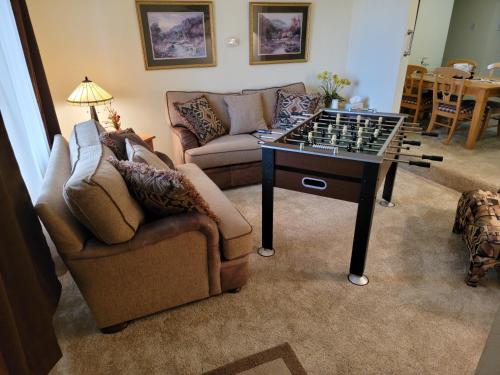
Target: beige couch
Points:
(230, 160)
(166, 263)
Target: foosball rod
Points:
(372, 120)
(423, 164)
(411, 143)
(371, 117)
(423, 156)
(399, 148)
(330, 146)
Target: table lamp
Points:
(89, 94)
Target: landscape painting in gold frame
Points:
(176, 34)
(279, 32)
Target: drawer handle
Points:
(314, 183)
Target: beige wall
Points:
(431, 31)
(474, 32)
(101, 39)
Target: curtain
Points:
(35, 68)
(29, 288)
(19, 105)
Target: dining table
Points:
(481, 88)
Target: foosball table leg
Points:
(364, 217)
(267, 249)
(389, 186)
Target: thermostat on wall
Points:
(232, 41)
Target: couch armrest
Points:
(183, 140)
(161, 230)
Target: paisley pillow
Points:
(289, 103)
(201, 119)
(161, 192)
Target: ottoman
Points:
(478, 219)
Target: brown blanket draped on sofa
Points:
(29, 289)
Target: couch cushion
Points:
(116, 141)
(225, 150)
(140, 154)
(215, 100)
(246, 113)
(95, 192)
(236, 232)
(269, 97)
(68, 234)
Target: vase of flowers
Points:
(331, 85)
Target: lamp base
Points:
(93, 113)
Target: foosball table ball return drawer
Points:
(318, 185)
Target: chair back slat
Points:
(414, 80)
(449, 86)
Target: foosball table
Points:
(342, 155)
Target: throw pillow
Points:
(201, 119)
(289, 103)
(116, 141)
(162, 192)
(140, 154)
(246, 113)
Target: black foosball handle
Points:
(423, 164)
(430, 134)
(412, 143)
(432, 157)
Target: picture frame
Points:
(279, 32)
(177, 34)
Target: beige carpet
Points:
(416, 316)
(462, 169)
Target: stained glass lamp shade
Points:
(89, 94)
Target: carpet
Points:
(462, 169)
(280, 360)
(416, 316)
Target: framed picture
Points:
(279, 32)
(176, 34)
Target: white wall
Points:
(474, 32)
(377, 41)
(431, 32)
(101, 39)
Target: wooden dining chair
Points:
(492, 107)
(462, 61)
(414, 99)
(447, 103)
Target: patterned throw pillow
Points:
(141, 154)
(289, 103)
(116, 141)
(201, 119)
(162, 192)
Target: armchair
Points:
(168, 262)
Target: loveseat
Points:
(230, 160)
(125, 266)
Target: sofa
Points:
(230, 160)
(125, 266)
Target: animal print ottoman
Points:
(478, 219)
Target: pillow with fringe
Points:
(161, 192)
